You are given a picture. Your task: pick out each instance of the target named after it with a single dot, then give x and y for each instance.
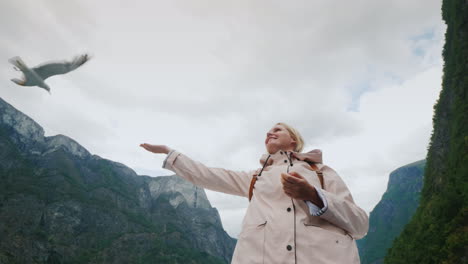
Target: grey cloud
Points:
(216, 75)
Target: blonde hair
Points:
(295, 135)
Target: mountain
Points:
(61, 204)
(438, 231)
(393, 212)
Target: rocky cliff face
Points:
(61, 204)
(393, 212)
(438, 232)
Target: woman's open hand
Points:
(155, 148)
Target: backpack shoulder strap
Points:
(252, 184)
(319, 173)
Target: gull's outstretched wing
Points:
(59, 67)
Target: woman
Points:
(290, 218)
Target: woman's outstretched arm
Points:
(216, 179)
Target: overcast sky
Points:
(209, 78)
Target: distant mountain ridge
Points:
(61, 204)
(393, 212)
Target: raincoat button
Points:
(289, 209)
(285, 161)
(289, 247)
(281, 152)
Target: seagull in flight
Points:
(36, 76)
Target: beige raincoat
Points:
(276, 228)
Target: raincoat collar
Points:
(281, 156)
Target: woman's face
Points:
(278, 138)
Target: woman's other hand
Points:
(158, 149)
(295, 186)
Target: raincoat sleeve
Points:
(342, 211)
(215, 179)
